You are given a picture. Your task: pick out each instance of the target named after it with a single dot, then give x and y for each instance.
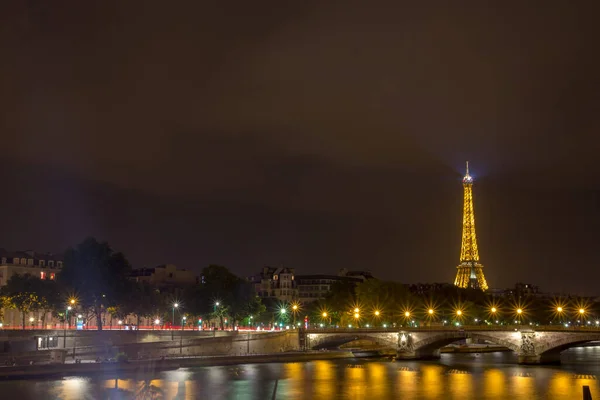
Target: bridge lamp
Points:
(176, 305)
(459, 312)
(581, 311)
(407, 314)
(324, 314)
(356, 310)
(356, 315)
(283, 311)
(493, 310)
(69, 308)
(430, 311)
(559, 309)
(377, 313)
(72, 301)
(519, 311)
(295, 307)
(157, 321)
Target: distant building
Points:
(164, 275)
(275, 283)
(42, 265)
(362, 275)
(428, 288)
(316, 287)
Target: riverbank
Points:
(149, 366)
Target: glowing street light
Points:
(459, 312)
(295, 307)
(519, 311)
(283, 311)
(72, 301)
(430, 311)
(157, 321)
(559, 309)
(356, 315)
(494, 310)
(324, 314)
(356, 310)
(377, 312)
(407, 314)
(581, 311)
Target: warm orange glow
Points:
(377, 313)
(430, 311)
(458, 312)
(494, 309)
(407, 314)
(519, 311)
(581, 311)
(324, 314)
(559, 309)
(294, 307)
(356, 310)
(72, 301)
(356, 315)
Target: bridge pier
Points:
(536, 359)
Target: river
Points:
(455, 376)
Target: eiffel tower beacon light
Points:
(469, 272)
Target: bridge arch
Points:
(434, 342)
(560, 343)
(332, 340)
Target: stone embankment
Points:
(153, 366)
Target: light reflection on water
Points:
(487, 376)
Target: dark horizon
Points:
(318, 136)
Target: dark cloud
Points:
(319, 134)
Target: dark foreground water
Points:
(486, 376)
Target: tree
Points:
(20, 292)
(97, 274)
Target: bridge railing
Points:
(468, 328)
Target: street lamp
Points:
(156, 322)
(183, 322)
(377, 313)
(31, 319)
(120, 323)
(175, 305)
(430, 311)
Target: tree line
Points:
(95, 282)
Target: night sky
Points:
(314, 134)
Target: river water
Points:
(455, 376)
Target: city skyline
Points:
(314, 135)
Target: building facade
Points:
(42, 265)
(316, 287)
(275, 283)
(164, 275)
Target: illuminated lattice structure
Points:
(470, 271)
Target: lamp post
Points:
(294, 311)
(65, 326)
(217, 304)
(181, 335)
(175, 305)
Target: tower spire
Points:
(470, 271)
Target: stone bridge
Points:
(541, 345)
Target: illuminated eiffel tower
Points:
(470, 271)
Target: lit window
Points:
(23, 261)
(275, 277)
(42, 275)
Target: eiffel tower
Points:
(470, 271)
